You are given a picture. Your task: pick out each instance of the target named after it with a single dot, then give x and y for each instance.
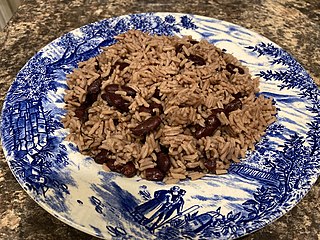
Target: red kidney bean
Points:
(163, 162)
(212, 119)
(196, 169)
(239, 95)
(145, 109)
(102, 157)
(147, 126)
(143, 139)
(152, 106)
(240, 70)
(90, 99)
(217, 110)
(179, 48)
(233, 105)
(204, 131)
(156, 94)
(112, 88)
(164, 149)
(116, 87)
(194, 42)
(111, 71)
(122, 65)
(212, 123)
(94, 87)
(110, 164)
(82, 114)
(231, 67)
(196, 59)
(154, 174)
(129, 170)
(130, 92)
(116, 101)
(115, 121)
(92, 93)
(210, 165)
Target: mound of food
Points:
(165, 108)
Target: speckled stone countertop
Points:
(293, 24)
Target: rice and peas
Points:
(165, 108)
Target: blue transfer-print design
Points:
(160, 208)
(283, 166)
(113, 204)
(34, 148)
(117, 232)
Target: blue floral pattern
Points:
(264, 186)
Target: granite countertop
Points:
(293, 24)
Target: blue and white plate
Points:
(265, 185)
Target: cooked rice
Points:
(188, 94)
